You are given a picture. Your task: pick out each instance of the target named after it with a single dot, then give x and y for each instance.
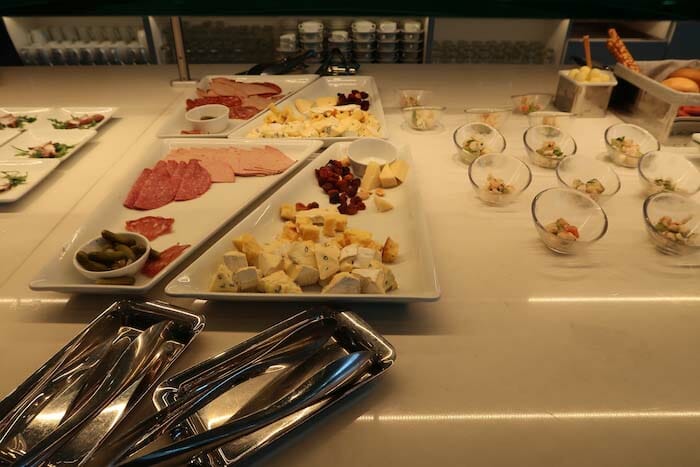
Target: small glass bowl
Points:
(514, 173)
(494, 116)
(528, 103)
(585, 169)
(638, 135)
(414, 97)
(492, 140)
(424, 117)
(558, 119)
(578, 209)
(678, 208)
(537, 136)
(667, 171)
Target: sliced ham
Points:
(151, 227)
(211, 159)
(167, 256)
(229, 87)
(158, 189)
(130, 201)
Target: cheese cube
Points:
(223, 281)
(316, 215)
(247, 278)
(387, 179)
(300, 220)
(276, 247)
(389, 280)
(357, 236)
(303, 275)
(370, 180)
(329, 227)
(247, 244)
(364, 257)
(303, 253)
(400, 168)
(269, 263)
(309, 232)
(382, 204)
(372, 280)
(328, 101)
(327, 260)
(288, 212)
(341, 222)
(390, 251)
(343, 283)
(278, 282)
(303, 105)
(235, 260)
(290, 231)
(349, 252)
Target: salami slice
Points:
(130, 201)
(158, 190)
(243, 113)
(195, 182)
(167, 256)
(151, 227)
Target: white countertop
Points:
(528, 359)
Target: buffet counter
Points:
(528, 358)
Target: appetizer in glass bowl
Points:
(547, 145)
(667, 171)
(673, 223)
(476, 139)
(494, 116)
(627, 143)
(558, 119)
(528, 103)
(498, 179)
(590, 176)
(568, 221)
(423, 118)
(414, 97)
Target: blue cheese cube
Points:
(247, 278)
(372, 280)
(343, 283)
(327, 259)
(223, 280)
(278, 282)
(303, 253)
(235, 260)
(389, 280)
(303, 275)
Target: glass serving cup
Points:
(615, 135)
(667, 171)
(528, 103)
(494, 116)
(476, 139)
(514, 174)
(679, 209)
(537, 137)
(424, 117)
(558, 119)
(574, 171)
(578, 209)
(414, 97)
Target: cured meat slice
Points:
(151, 227)
(213, 160)
(243, 113)
(158, 189)
(259, 102)
(172, 167)
(167, 256)
(195, 182)
(130, 201)
(229, 87)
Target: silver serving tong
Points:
(295, 346)
(323, 384)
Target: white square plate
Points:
(6, 134)
(195, 220)
(37, 169)
(323, 87)
(414, 271)
(290, 84)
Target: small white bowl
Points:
(210, 118)
(131, 270)
(365, 150)
(667, 171)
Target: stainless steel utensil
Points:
(321, 385)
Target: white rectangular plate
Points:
(66, 113)
(414, 271)
(195, 220)
(37, 169)
(6, 134)
(329, 86)
(290, 84)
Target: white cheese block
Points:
(223, 281)
(382, 204)
(315, 215)
(247, 278)
(235, 260)
(327, 260)
(387, 179)
(364, 257)
(348, 252)
(303, 275)
(278, 282)
(370, 180)
(389, 280)
(343, 283)
(372, 280)
(269, 263)
(276, 247)
(400, 169)
(303, 253)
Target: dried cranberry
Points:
(300, 207)
(343, 198)
(352, 190)
(361, 206)
(334, 197)
(364, 95)
(343, 209)
(327, 186)
(351, 210)
(356, 182)
(312, 205)
(345, 171)
(364, 105)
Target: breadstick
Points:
(618, 50)
(587, 50)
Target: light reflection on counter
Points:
(528, 416)
(17, 300)
(637, 299)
